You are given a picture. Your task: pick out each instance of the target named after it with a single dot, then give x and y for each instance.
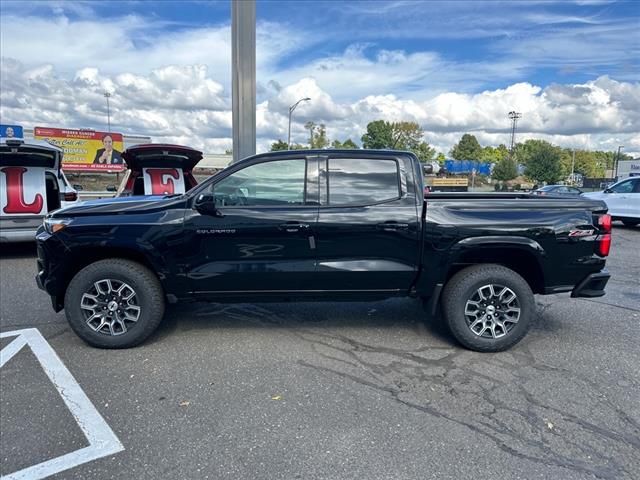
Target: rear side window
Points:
(362, 181)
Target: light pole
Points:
(573, 167)
(291, 109)
(107, 95)
(618, 160)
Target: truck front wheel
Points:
(488, 308)
(114, 303)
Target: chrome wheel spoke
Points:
(110, 307)
(492, 311)
(132, 313)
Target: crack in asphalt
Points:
(499, 403)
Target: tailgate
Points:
(161, 156)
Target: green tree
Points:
(406, 135)
(441, 158)
(424, 152)
(505, 169)
(379, 135)
(397, 135)
(467, 148)
(543, 161)
(347, 144)
(350, 144)
(319, 137)
(279, 145)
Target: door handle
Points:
(392, 226)
(292, 227)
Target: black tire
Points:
(463, 287)
(630, 223)
(148, 295)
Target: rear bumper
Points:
(592, 285)
(18, 235)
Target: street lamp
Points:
(291, 109)
(107, 95)
(618, 160)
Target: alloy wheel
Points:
(110, 307)
(492, 311)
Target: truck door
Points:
(260, 238)
(368, 229)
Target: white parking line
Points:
(102, 440)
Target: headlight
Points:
(53, 225)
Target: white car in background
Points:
(622, 199)
(31, 185)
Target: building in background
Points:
(629, 168)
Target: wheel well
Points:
(83, 257)
(522, 262)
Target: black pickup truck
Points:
(321, 225)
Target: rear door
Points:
(368, 224)
(621, 199)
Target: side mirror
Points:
(206, 205)
(111, 188)
(608, 190)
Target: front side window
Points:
(279, 182)
(624, 187)
(362, 181)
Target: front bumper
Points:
(592, 285)
(50, 276)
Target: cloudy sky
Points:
(571, 68)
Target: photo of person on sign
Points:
(108, 155)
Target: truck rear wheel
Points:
(488, 308)
(114, 303)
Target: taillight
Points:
(70, 196)
(604, 244)
(603, 241)
(605, 222)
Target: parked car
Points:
(558, 190)
(158, 169)
(622, 199)
(31, 185)
(323, 225)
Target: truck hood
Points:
(159, 155)
(120, 205)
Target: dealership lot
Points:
(351, 390)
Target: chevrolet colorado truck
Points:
(321, 225)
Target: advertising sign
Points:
(11, 131)
(163, 181)
(22, 191)
(85, 150)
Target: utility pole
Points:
(107, 95)
(243, 78)
(514, 116)
(618, 160)
(573, 167)
(291, 109)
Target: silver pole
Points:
(107, 95)
(243, 77)
(291, 109)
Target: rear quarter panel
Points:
(558, 233)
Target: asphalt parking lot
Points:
(349, 390)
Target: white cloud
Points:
(185, 104)
(173, 83)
